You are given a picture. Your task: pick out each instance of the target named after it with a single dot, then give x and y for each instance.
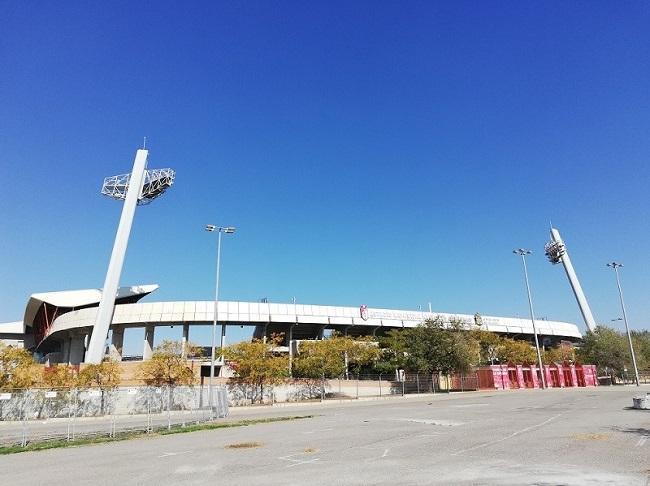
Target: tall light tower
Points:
(228, 230)
(523, 252)
(139, 187)
(556, 253)
(615, 266)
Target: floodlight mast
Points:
(139, 187)
(556, 253)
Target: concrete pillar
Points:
(117, 343)
(148, 343)
(111, 284)
(65, 354)
(186, 337)
(222, 342)
(321, 332)
(77, 348)
(290, 343)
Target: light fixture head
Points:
(229, 229)
(156, 182)
(210, 227)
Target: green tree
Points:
(607, 349)
(255, 363)
(433, 346)
(333, 356)
(641, 344)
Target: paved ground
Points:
(568, 437)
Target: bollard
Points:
(641, 402)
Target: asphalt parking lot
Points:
(568, 437)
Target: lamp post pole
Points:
(219, 229)
(523, 252)
(616, 266)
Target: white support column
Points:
(148, 343)
(109, 291)
(575, 284)
(290, 343)
(117, 343)
(186, 338)
(222, 342)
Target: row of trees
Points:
(19, 370)
(167, 367)
(431, 347)
(610, 351)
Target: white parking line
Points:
(168, 454)
(510, 436)
(297, 462)
(317, 430)
(642, 441)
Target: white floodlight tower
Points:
(556, 253)
(139, 187)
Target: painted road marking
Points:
(169, 454)
(297, 462)
(514, 434)
(317, 430)
(642, 441)
(445, 423)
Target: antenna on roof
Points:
(144, 143)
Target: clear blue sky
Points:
(386, 153)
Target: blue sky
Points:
(386, 153)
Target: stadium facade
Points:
(58, 325)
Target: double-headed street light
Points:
(523, 252)
(615, 266)
(228, 230)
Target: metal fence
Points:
(370, 385)
(39, 414)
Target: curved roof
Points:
(79, 298)
(252, 313)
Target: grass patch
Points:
(244, 445)
(127, 435)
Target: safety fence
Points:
(69, 414)
(354, 387)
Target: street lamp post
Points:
(523, 252)
(616, 266)
(228, 230)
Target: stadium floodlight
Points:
(615, 266)
(228, 230)
(523, 252)
(139, 187)
(556, 253)
(156, 182)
